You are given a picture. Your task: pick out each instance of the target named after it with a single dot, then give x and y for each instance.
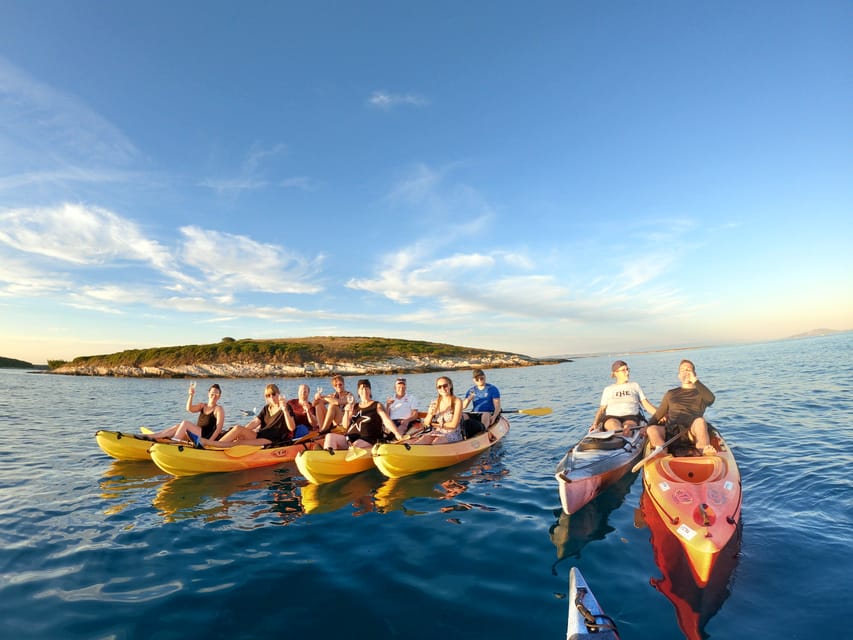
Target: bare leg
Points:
(699, 430)
(184, 428)
(170, 431)
(612, 424)
(655, 433)
(335, 441)
(333, 416)
(321, 414)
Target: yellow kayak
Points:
(124, 446)
(398, 459)
(323, 465)
(184, 460)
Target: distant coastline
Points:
(294, 358)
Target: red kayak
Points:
(698, 499)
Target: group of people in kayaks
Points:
(341, 418)
(681, 409)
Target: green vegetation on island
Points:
(12, 363)
(290, 351)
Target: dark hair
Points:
(364, 382)
(217, 387)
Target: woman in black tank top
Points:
(364, 422)
(211, 418)
(274, 423)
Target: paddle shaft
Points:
(657, 451)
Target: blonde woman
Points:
(274, 423)
(444, 416)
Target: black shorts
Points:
(622, 419)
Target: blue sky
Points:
(539, 177)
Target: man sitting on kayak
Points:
(684, 407)
(620, 407)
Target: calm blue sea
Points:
(93, 548)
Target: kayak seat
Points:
(602, 444)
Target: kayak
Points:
(699, 501)
(597, 461)
(694, 605)
(327, 465)
(124, 446)
(184, 460)
(587, 620)
(398, 459)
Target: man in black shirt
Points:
(684, 406)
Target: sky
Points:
(546, 178)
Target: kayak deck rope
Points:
(591, 620)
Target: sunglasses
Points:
(270, 395)
(442, 386)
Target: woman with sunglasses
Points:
(274, 424)
(211, 418)
(444, 416)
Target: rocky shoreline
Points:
(413, 364)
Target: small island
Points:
(12, 363)
(318, 356)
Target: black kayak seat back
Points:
(602, 444)
(471, 425)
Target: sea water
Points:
(95, 548)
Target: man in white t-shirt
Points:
(402, 408)
(620, 402)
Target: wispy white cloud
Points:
(252, 174)
(386, 101)
(47, 130)
(299, 182)
(234, 263)
(79, 234)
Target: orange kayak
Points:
(698, 500)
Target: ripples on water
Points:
(94, 548)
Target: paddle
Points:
(243, 450)
(657, 451)
(354, 453)
(536, 411)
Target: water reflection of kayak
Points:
(694, 605)
(571, 533)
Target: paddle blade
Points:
(536, 411)
(354, 453)
(241, 450)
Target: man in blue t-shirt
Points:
(486, 398)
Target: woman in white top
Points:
(620, 402)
